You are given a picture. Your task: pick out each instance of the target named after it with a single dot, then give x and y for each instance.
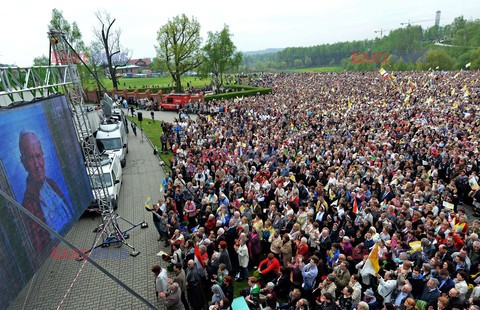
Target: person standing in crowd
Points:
(243, 259)
(172, 297)
(224, 256)
(335, 179)
(181, 280)
(134, 127)
(194, 287)
(161, 279)
(309, 273)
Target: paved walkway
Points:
(93, 289)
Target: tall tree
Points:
(220, 55)
(72, 32)
(110, 41)
(178, 49)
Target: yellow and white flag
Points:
(468, 65)
(383, 72)
(371, 266)
(416, 246)
(147, 205)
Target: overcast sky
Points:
(256, 25)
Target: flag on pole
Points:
(384, 73)
(198, 257)
(371, 266)
(147, 205)
(468, 65)
(355, 205)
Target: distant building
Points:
(143, 63)
(133, 69)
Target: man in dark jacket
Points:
(326, 302)
(431, 293)
(445, 282)
(194, 287)
(224, 256)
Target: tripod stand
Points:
(112, 232)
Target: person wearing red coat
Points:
(269, 268)
(210, 224)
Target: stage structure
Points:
(19, 86)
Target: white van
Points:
(112, 138)
(112, 178)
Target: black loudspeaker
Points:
(140, 116)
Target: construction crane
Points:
(417, 22)
(382, 31)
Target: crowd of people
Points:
(294, 192)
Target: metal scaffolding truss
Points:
(19, 84)
(22, 85)
(73, 90)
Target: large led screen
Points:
(42, 168)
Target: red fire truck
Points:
(173, 102)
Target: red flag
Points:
(198, 257)
(355, 205)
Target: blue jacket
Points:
(445, 288)
(309, 274)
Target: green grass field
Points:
(153, 132)
(317, 69)
(152, 82)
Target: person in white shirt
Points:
(161, 278)
(461, 284)
(243, 259)
(386, 286)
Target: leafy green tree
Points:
(308, 61)
(298, 63)
(475, 60)
(178, 49)
(74, 37)
(220, 55)
(72, 32)
(40, 61)
(437, 58)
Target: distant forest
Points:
(448, 47)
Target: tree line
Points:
(179, 49)
(448, 47)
